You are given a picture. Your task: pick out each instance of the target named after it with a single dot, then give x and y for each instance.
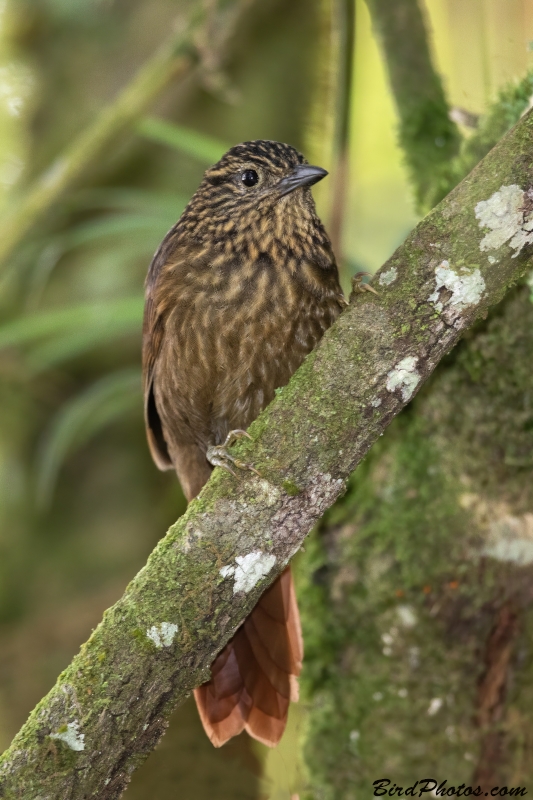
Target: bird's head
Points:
(254, 184)
(254, 172)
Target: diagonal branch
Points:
(110, 706)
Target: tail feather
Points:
(264, 728)
(276, 676)
(225, 669)
(256, 675)
(219, 730)
(254, 678)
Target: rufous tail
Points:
(255, 677)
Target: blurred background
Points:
(81, 503)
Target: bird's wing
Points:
(156, 310)
(152, 338)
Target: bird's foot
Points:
(358, 286)
(218, 455)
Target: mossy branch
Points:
(109, 708)
(185, 49)
(436, 155)
(511, 102)
(429, 138)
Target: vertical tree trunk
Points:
(429, 138)
(417, 591)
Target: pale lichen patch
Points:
(405, 377)
(227, 571)
(69, 734)
(504, 213)
(375, 402)
(510, 539)
(467, 289)
(162, 635)
(388, 277)
(266, 493)
(434, 706)
(406, 616)
(249, 570)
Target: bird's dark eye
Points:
(249, 177)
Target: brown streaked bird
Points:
(239, 292)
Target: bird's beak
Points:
(302, 175)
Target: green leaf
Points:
(134, 233)
(204, 148)
(80, 419)
(62, 348)
(114, 315)
(125, 199)
(138, 225)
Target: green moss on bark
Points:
(429, 138)
(398, 593)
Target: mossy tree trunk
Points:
(417, 589)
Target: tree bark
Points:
(110, 706)
(417, 593)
